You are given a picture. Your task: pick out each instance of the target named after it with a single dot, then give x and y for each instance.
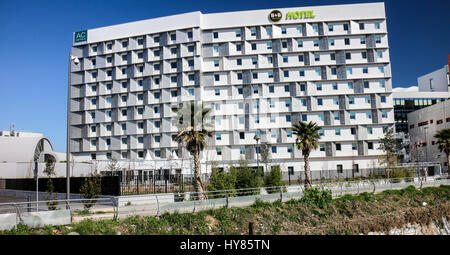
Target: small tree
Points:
(265, 155)
(274, 178)
(246, 178)
(221, 180)
(390, 146)
(50, 172)
(91, 189)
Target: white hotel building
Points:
(257, 76)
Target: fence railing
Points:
(60, 212)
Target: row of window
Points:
(299, 29)
(140, 41)
(425, 123)
(284, 44)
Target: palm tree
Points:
(307, 140)
(443, 142)
(192, 124)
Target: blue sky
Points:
(36, 37)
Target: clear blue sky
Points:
(36, 37)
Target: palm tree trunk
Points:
(448, 163)
(199, 187)
(307, 172)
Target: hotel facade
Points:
(259, 71)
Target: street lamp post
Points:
(75, 60)
(256, 137)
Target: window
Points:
(238, 47)
(338, 147)
(289, 133)
(285, 59)
(254, 61)
(255, 89)
(191, 77)
(157, 153)
(382, 84)
(330, 28)
(365, 69)
(216, 49)
(191, 92)
(109, 46)
(354, 146)
(318, 72)
(239, 76)
(157, 124)
(345, 27)
(352, 115)
(321, 132)
(156, 109)
(190, 35)
(333, 56)
(364, 55)
(216, 77)
(94, 75)
(253, 31)
(284, 44)
(300, 44)
(240, 91)
(316, 57)
(191, 48)
(351, 100)
(109, 59)
(283, 30)
(377, 39)
(322, 147)
(173, 37)
(349, 70)
(302, 86)
(216, 35)
(239, 62)
(157, 95)
(302, 74)
(217, 92)
(319, 86)
(289, 148)
(304, 117)
(124, 84)
(191, 63)
(238, 33)
(269, 60)
(286, 73)
(173, 65)
(140, 111)
(370, 145)
(242, 150)
(270, 74)
(316, 42)
(383, 99)
(156, 39)
(319, 101)
(274, 149)
(271, 89)
(361, 26)
(377, 25)
(124, 71)
(331, 41)
(347, 41)
(218, 136)
(381, 69)
(348, 55)
(337, 131)
(124, 140)
(333, 71)
(315, 28)
(140, 41)
(363, 40)
(269, 31)
(173, 79)
(300, 58)
(350, 85)
(384, 114)
(124, 113)
(369, 115)
(303, 102)
(379, 54)
(288, 118)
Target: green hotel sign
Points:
(276, 15)
(80, 36)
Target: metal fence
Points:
(56, 212)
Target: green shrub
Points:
(273, 179)
(246, 178)
(221, 180)
(316, 197)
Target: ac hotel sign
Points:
(276, 15)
